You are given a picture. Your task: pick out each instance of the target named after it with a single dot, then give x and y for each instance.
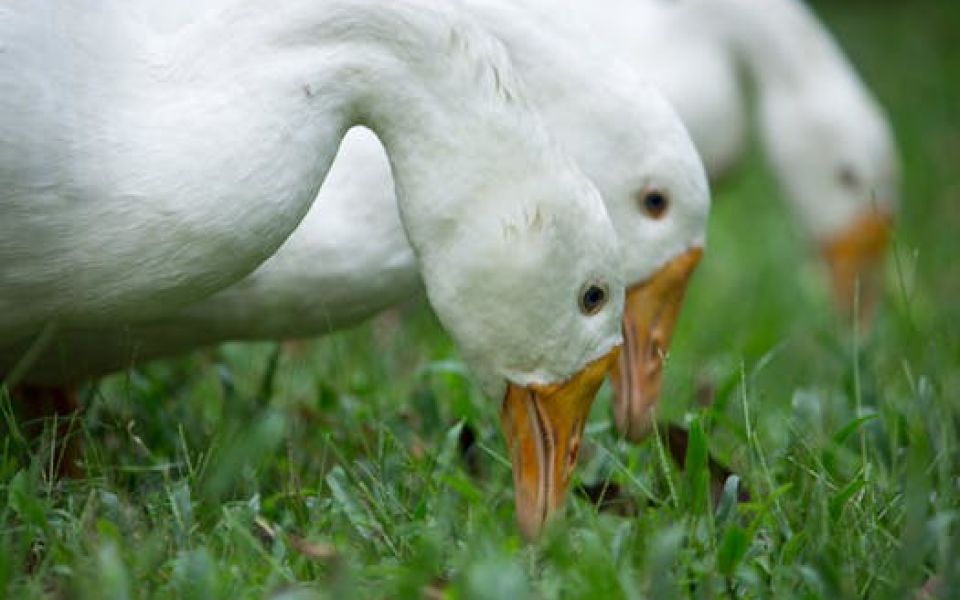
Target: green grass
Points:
(332, 469)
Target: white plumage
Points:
(825, 136)
(350, 258)
(150, 159)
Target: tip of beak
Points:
(530, 527)
(543, 425)
(854, 256)
(638, 429)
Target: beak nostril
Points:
(574, 452)
(655, 357)
(655, 350)
(574, 445)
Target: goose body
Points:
(350, 258)
(824, 134)
(153, 155)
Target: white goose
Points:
(349, 258)
(150, 159)
(825, 135)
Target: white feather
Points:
(151, 157)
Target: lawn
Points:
(368, 464)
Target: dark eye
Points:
(593, 298)
(654, 203)
(848, 177)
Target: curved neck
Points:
(781, 42)
(563, 75)
(261, 95)
(438, 91)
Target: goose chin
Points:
(649, 316)
(543, 425)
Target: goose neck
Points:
(780, 42)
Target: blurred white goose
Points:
(150, 159)
(349, 258)
(826, 137)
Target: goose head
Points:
(659, 200)
(530, 287)
(635, 148)
(835, 156)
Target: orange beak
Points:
(543, 425)
(855, 259)
(649, 316)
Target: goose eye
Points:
(848, 177)
(654, 203)
(593, 298)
